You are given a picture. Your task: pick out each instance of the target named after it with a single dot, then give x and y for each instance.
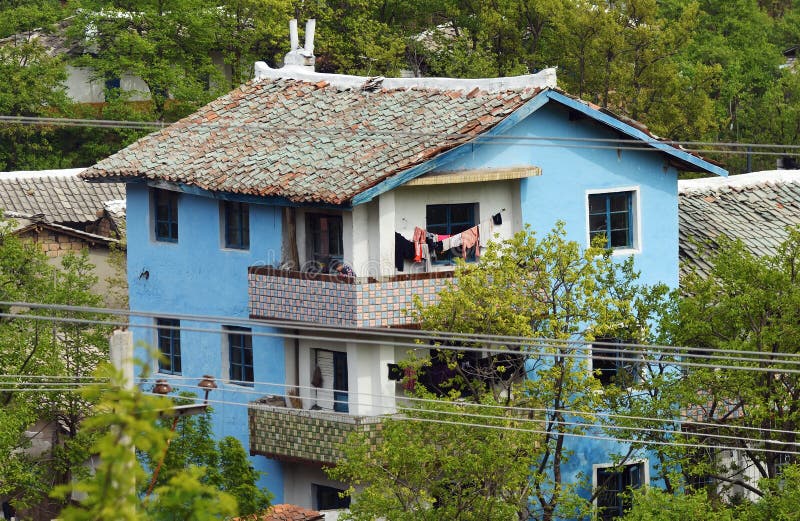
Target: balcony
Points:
(337, 301)
(286, 434)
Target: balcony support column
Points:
(360, 234)
(387, 227)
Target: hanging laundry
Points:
(469, 239)
(418, 240)
(454, 241)
(403, 249)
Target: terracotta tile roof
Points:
(309, 142)
(60, 196)
(755, 208)
(284, 513)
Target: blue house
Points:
(234, 211)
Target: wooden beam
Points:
(475, 176)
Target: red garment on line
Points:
(418, 240)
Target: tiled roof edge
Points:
(706, 184)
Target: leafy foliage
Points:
(125, 421)
(526, 287)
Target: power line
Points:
(539, 141)
(566, 433)
(417, 335)
(634, 359)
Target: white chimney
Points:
(302, 57)
(293, 38)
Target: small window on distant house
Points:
(611, 217)
(236, 219)
(240, 355)
(614, 363)
(325, 238)
(169, 345)
(165, 205)
(450, 219)
(612, 484)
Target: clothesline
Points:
(424, 244)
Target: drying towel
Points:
(469, 238)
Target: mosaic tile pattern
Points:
(296, 434)
(328, 300)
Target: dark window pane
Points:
(436, 215)
(619, 221)
(619, 202)
(597, 203)
(597, 223)
(619, 238)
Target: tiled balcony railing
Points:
(332, 300)
(289, 434)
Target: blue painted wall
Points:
(560, 193)
(198, 276)
(569, 171)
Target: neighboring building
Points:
(81, 84)
(233, 210)
(755, 208)
(64, 214)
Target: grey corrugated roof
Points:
(59, 195)
(755, 208)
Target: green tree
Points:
(225, 463)
(36, 351)
(125, 421)
(527, 287)
(748, 306)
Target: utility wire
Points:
(545, 432)
(416, 335)
(576, 353)
(371, 133)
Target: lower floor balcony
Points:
(314, 436)
(341, 301)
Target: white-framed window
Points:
(612, 484)
(614, 215)
(613, 362)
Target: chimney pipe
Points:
(293, 38)
(311, 25)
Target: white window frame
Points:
(635, 211)
(644, 462)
